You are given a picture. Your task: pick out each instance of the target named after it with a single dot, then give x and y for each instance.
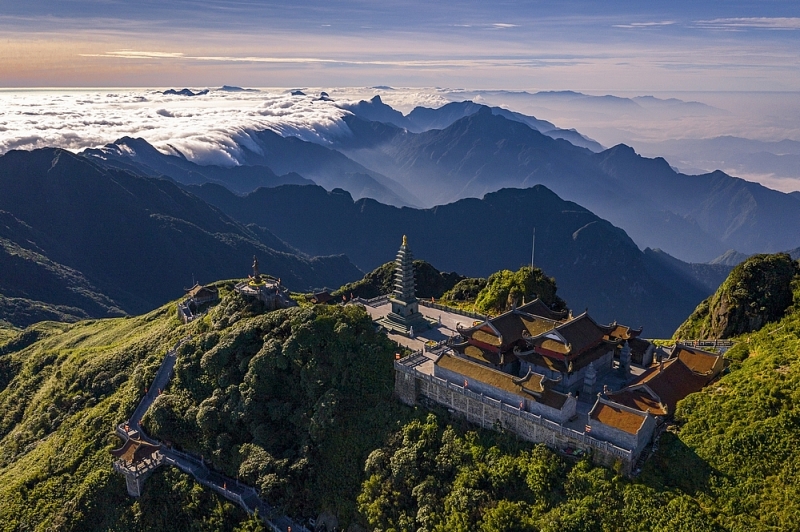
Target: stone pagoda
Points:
(405, 316)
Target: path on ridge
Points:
(242, 494)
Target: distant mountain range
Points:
(436, 156)
(595, 264)
(424, 119)
(742, 156)
(693, 217)
(80, 240)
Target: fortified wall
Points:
(413, 386)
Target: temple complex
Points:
(534, 338)
(404, 317)
(542, 373)
(266, 289)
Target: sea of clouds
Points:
(212, 128)
(208, 129)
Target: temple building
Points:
(629, 416)
(534, 338)
(405, 316)
(191, 306)
(265, 288)
(136, 460)
(629, 428)
(532, 393)
(660, 387)
(546, 375)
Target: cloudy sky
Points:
(581, 45)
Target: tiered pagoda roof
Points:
(544, 337)
(405, 287)
(661, 387)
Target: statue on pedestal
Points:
(256, 273)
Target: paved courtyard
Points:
(437, 332)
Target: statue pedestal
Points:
(403, 317)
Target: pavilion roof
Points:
(697, 360)
(202, 291)
(671, 381)
(618, 416)
(134, 451)
(532, 386)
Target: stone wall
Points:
(529, 404)
(490, 413)
(636, 442)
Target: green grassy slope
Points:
(756, 292)
(298, 402)
(737, 450)
(62, 390)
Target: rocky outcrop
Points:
(755, 293)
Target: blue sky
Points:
(582, 45)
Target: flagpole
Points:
(533, 247)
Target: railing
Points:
(371, 302)
(513, 410)
(436, 348)
(707, 343)
(467, 313)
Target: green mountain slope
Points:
(62, 390)
(756, 292)
(105, 241)
(292, 401)
(298, 402)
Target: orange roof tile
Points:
(638, 399)
(697, 360)
(618, 417)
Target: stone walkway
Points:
(436, 333)
(233, 490)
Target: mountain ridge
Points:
(126, 242)
(595, 263)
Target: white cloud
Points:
(767, 23)
(213, 128)
(412, 63)
(640, 25)
(208, 129)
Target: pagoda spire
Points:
(405, 288)
(404, 315)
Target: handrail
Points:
(454, 310)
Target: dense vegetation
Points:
(465, 291)
(298, 403)
(437, 477)
(505, 289)
(62, 390)
(291, 401)
(430, 282)
(756, 292)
